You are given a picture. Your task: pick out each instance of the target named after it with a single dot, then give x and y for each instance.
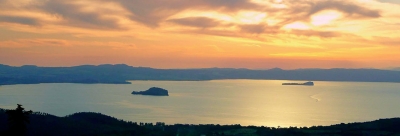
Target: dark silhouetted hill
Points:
(121, 73)
(89, 123)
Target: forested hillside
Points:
(89, 123)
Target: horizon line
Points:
(389, 68)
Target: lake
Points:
(245, 102)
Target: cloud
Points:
(296, 10)
(343, 6)
(231, 5)
(127, 14)
(20, 43)
(310, 33)
(390, 1)
(201, 22)
(303, 10)
(74, 15)
(19, 20)
(388, 41)
(81, 14)
(151, 13)
(259, 28)
(40, 42)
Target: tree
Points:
(17, 120)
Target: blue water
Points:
(246, 102)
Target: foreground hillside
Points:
(120, 74)
(89, 123)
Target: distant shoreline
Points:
(128, 81)
(122, 74)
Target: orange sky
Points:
(256, 34)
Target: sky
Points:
(255, 34)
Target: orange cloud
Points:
(183, 33)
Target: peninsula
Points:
(155, 91)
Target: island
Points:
(155, 91)
(309, 83)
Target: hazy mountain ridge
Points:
(395, 69)
(120, 73)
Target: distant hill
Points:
(89, 123)
(119, 74)
(395, 69)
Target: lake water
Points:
(245, 102)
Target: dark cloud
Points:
(75, 17)
(346, 7)
(310, 33)
(302, 10)
(201, 22)
(230, 5)
(151, 13)
(147, 12)
(19, 20)
(259, 28)
(390, 1)
(3, 2)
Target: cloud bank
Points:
(306, 29)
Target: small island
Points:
(155, 91)
(309, 83)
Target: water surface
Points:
(246, 102)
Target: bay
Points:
(245, 102)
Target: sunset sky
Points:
(256, 34)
